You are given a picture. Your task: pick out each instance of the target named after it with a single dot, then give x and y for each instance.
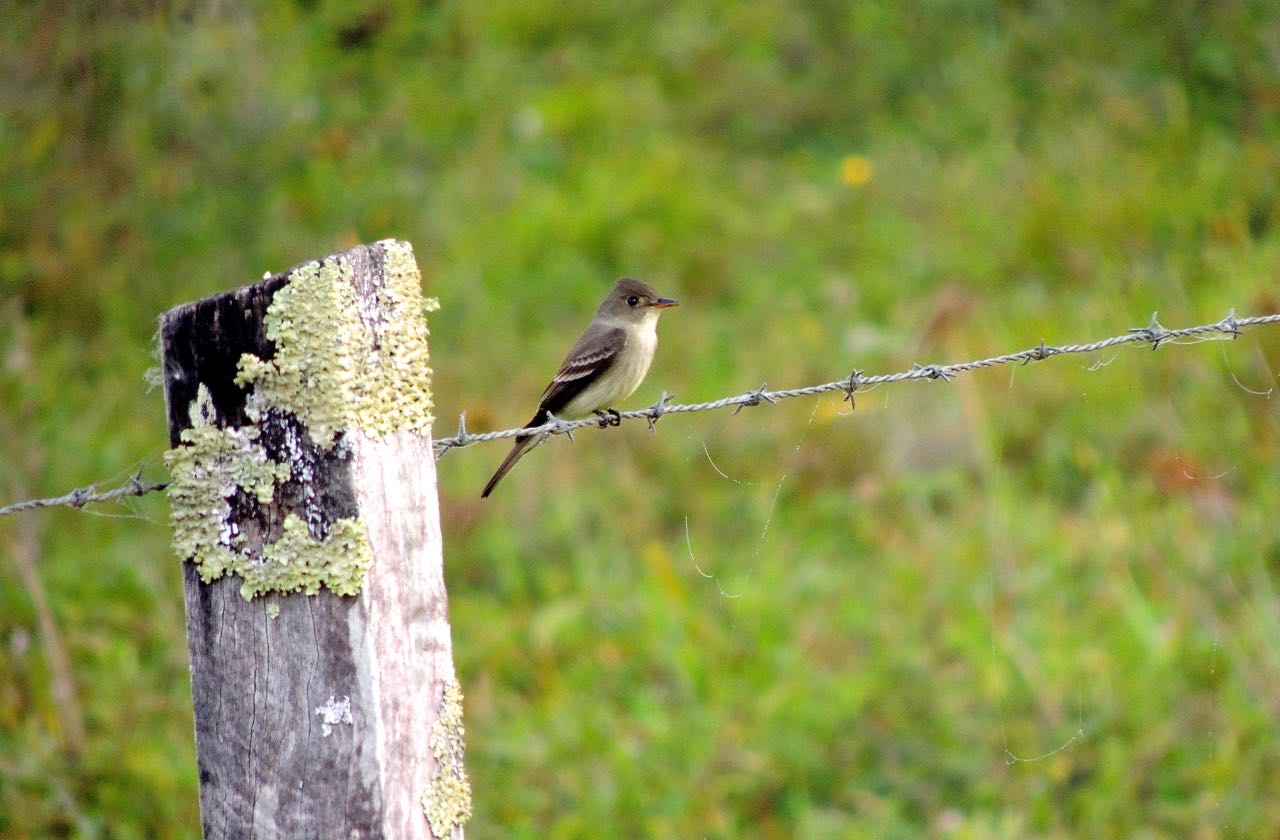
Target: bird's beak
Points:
(663, 303)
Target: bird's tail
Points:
(522, 445)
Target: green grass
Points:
(1038, 601)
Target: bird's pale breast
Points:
(622, 379)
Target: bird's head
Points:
(633, 301)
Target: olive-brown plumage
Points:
(605, 365)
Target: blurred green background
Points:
(1037, 602)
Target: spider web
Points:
(1048, 711)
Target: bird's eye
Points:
(633, 301)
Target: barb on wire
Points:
(755, 397)
(89, 495)
(655, 412)
(851, 386)
(462, 438)
(1153, 333)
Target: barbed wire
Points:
(1153, 334)
(89, 495)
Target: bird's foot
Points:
(609, 417)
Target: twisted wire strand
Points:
(1153, 334)
(89, 495)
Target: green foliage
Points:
(1033, 602)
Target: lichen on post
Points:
(334, 365)
(304, 504)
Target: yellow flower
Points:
(856, 170)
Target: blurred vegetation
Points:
(1039, 602)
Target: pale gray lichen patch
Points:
(332, 713)
(338, 365)
(447, 802)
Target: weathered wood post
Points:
(304, 504)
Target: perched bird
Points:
(607, 364)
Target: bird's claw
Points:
(609, 417)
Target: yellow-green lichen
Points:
(299, 562)
(399, 372)
(341, 363)
(210, 467)
(447, 802)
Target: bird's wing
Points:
(594, 354)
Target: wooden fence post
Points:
(305, 508)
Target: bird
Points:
(607, 364)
